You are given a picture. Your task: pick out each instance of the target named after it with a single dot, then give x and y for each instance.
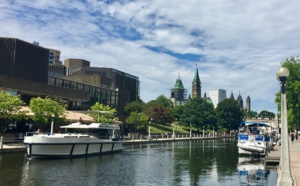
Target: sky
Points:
(238, 46)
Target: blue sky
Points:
(237, 45)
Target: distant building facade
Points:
(217, 96)
(25, 71)
(178, 93)
(125, 87)
(54, 57)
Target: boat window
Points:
(101, 134)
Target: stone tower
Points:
(196, 87)
(240, 102)
(248, 104)
(178, 92)
(231, 96)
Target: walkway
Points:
(295, 161)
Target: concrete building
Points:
(217, 96)
(125, 87)
(54, 57)
(25, 71)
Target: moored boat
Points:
(78, 140)
(254, 138)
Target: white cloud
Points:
(241, 43)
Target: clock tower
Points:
(196, 85)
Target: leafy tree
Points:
(10, 107)
(163, 101)
(252, 114)
(177, 111)
(292, 93)
(138, 120)
(229, 115)
(266, 114)
(45, 109)
(103, 113)
(159, 114)
(199, 113)
(135, 106)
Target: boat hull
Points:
(58, 147)
(253, 147)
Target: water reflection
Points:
(252, 171)
(208, 162)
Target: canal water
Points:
(203, 162)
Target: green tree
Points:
(292, 92)
(135, 106)
(10, 107)
(138, 120)
(45, 109)
(229, 115)
(252, 114)
(266, 114)
(159, 114)
(163, 101)
(199, 113)
(177, 111)
(103, 113)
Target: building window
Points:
(51, 81)
(67, 84)
(86, 88)
(80, 87)
(92, 91)
(51, 53)
(73, 86)
(59, 82)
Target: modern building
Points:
(54, 57)
(25, 71)
(217, 96)
(124, 87)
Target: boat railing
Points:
(35, 133)
(31, 133)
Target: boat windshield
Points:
(99, 133)
(254, 128)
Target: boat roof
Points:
(92, 126)
(260, 124)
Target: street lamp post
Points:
(190, 130)
(203, 131)
(149, 133)
(285, 178)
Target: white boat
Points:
(78, 140)
(252, 171)
(254, 138)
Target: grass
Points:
(159, 129)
